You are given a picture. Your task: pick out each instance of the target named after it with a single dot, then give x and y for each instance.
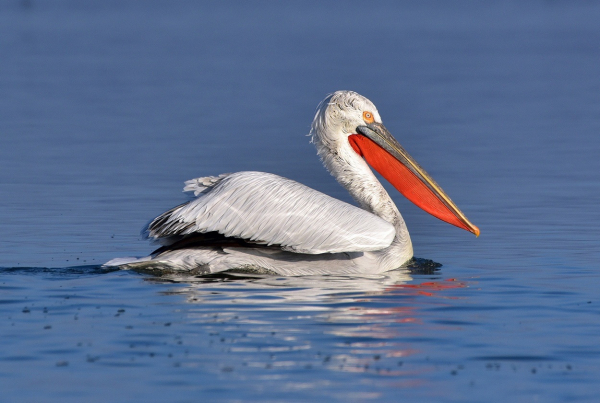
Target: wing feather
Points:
(269, 209)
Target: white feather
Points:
(199, 185)
(272, 210)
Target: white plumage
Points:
(261, 222)
(270, 210)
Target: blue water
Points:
(107, 107)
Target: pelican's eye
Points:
(368, 117)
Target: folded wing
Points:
(271, 210)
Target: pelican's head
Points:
(348, 124)
(338, 116)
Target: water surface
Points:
(107, 107)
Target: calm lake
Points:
(107, 107)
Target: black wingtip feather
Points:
(160, 226)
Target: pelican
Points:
(264, 223)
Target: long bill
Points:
(381, 150)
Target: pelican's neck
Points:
(337, 117)
(353, 173)
(358, 179)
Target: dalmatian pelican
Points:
(264, 223)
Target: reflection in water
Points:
(334, 324)
(289, 289)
